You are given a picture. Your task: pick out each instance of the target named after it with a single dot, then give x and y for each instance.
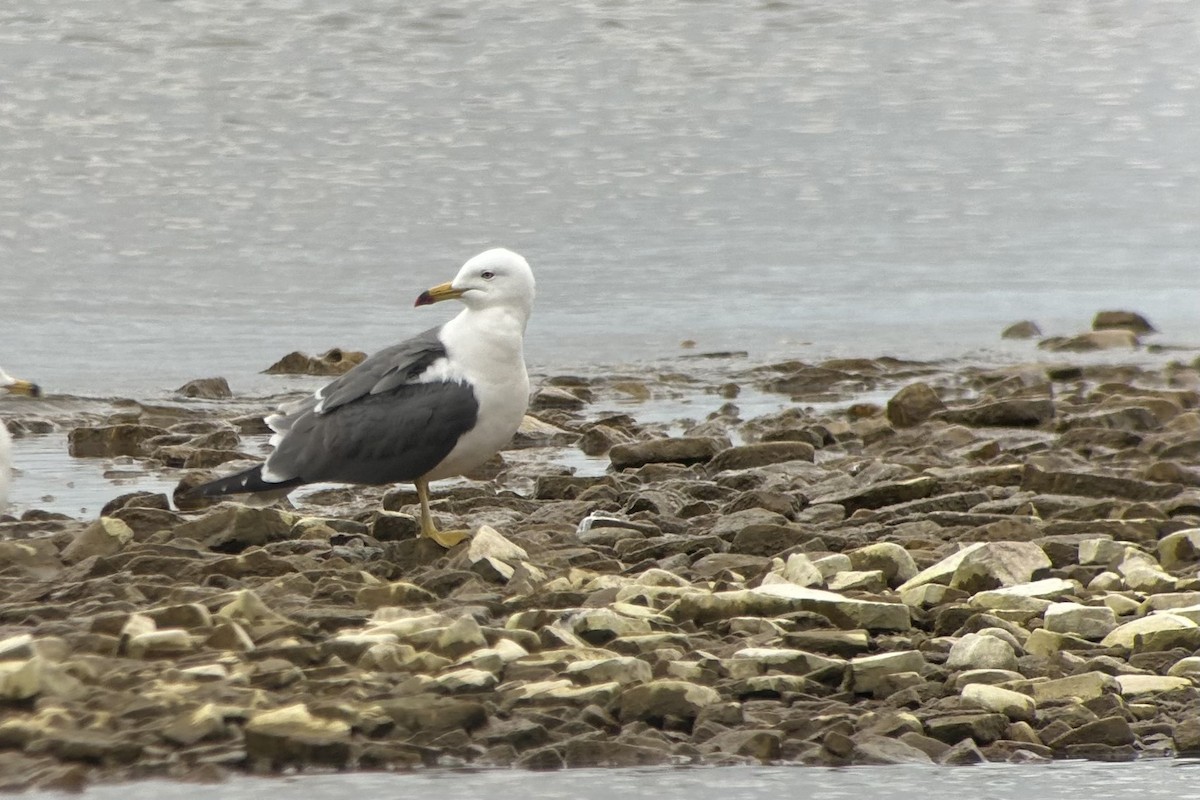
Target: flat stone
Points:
(105, 536)
(997, 564)
(1160, 631)
(1133, 685)
(1014, 705)
(683, 450)
(890, 558)
(1089, 622)
(293, 735)
(978, 651)
(1112, 731)
(1017, 412)
(774, 600)
(758, 455)
(1083, 687)
(913, 405)
(663, 699)
(867, 672)
(981, 727)
(619, 669)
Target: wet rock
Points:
(981, 728)
(665, 699)
(231, 528)
(868, 672)
(1014, 705)
(1123, 320)
(976, 651)
(1112, 731)
(1089, 622)
(890, 558)
(684, 450)
(913, 404)
(883, 494)
(762, 745)
(1017, 412)
(293, 735)
(206, 389)
(758, 455)
(1025, 329)
(332, 362)
(554, 397)
(103, 537)
(109, 441)
(1112, 339)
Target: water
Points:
(1148, 779)
(194, 188)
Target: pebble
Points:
(999, 565)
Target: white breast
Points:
(486, 350)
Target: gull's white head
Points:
(11, 385)
(494, 278)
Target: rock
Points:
(1134, 685)
(554, 397)
(109, 441)
(868, 672)
(205, 722)
(685, 450)
(1087, 484)
(1122, 320)
(1082, 687)
(761, 745)
(1186, 737)
(777, 599)
(1025, 329)
(293, 735)
(890, 558)
(1155, 632)
(913, 404)
(487, 542)
(1019, 412)
(397, 593)
(976, 651)
(875, 749)
(231, 528)
(998, 564)
(1179, 548)
(981, 728)
(1113, 339)
(460, 637)
(332, 362)
(799, 570)
(619, 669)
(758, 455)
(1014, 705)
(662, 699)
(1089, 622)
(1112, 731)
(103, 537)
(206, 389)
(883, 494)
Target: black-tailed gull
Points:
(434, 406)
(10, 385)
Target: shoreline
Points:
(729, 586)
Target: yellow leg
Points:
(446, 539)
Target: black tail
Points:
(247, 481)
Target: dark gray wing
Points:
(374, 424)
(384, 370)
(397, 435)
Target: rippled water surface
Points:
(194, 187)
(1153, 779)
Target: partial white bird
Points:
(10, 385)
(434, 406)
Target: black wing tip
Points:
(245, 482)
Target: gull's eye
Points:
(487, 274)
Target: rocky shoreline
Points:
(994, 564)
